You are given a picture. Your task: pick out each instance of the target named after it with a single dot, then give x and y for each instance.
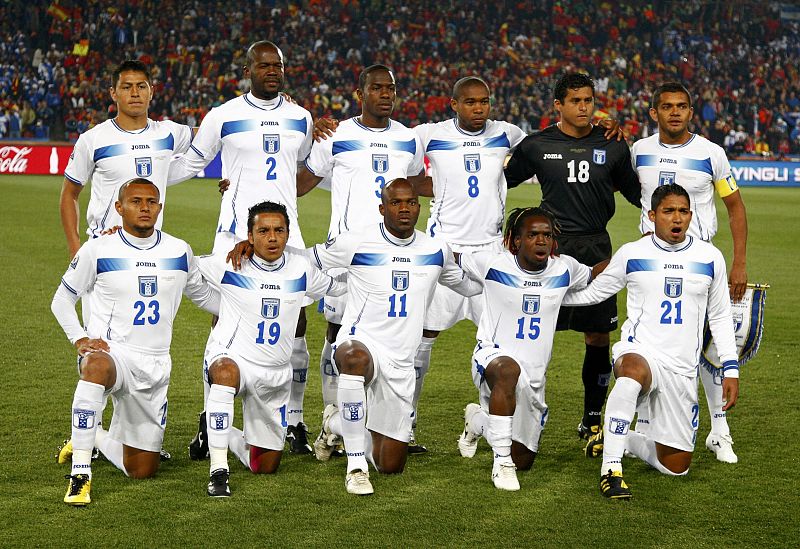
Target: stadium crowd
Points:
(55, 59)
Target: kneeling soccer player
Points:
(250, 347)
(136, 277)
(674, 283)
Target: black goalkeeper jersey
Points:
(578, 176)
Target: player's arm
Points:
(197, 288)
(70, 213)
(737, 217)
(77, 280)
(720, 323)
(520, 168)
(625, 178)
(201, 151)
(454, 277)
(607, 283)
(306, 180)
(322, 284)
(336, 252)
(422, 183)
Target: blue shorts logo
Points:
(148, 286)
(270, 307)
(218, 421)
(472, 163)
(144, 166)
(673, 287)
(380, 163)
(530, 304)
(352, 411)
(599, 156)
(666, 178)
(272, 143)
(83, 419)
(400, 280)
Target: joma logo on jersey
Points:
(532, 284)
(667, 161)
(270, 287)
(272, 143)
(379, 145)
(139, 147)
(380, 163)
(666, 178)
(219, 421)
(472, 163)
(144, 166)
(401, 260)
(530, 304)
(471, 144)
(83, 419)
(269, 123)
(148, 286)
(145, 264)
(400, 280)
(352, 411)
(672, 266)
(270, 307)
(552, 156)
(599, 156)
(673, 287)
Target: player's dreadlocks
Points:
(515, 220)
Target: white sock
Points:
(87, 407)
(299, 362)
(219, 418)
(645, 449)
(499, 437)
(620, 407)
(643, 418)
(111, 448)
(239, 447)
(353, 411)
(479, 424)
(712, 384)
(329, 375)
(422, 363)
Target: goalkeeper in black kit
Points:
(579, 169)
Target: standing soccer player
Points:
(365, 153)
(262, 137)
(137, 277)
(522, 291)
(392, 270)
(675, 282)
(248, 353)
(675, 155)
(579, 169)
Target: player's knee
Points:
(142, 469)
(98, 368)
(392, 466)
(224, 372)
(503, 372)
(597, 339)
(633, 366)
(352, 359)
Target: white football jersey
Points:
(699, 166)
(108, 156)
(360, 161)
(520, 308)
(671, 289)
(390, 284)
(260, 303)
(136, 286)
(262, 143)
(468, 179)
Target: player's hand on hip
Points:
(324, 128)
(737, 282)
(87, 345)
(223, 185)
(242, 250)
(730, 392)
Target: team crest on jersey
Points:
(472, 163)
(530, 304)
(272, 143)
(599, 156)
(380, 163)
(219, 420)
(270, 307)
(148, 286)
(83, 419)
(673, 287)
(144, 166)
(666, 178)
(352, 411)
(400, 280)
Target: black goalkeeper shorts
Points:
(601, 318)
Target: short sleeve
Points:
(81, 161)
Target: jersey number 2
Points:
(271, 163)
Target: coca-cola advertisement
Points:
(34, 158)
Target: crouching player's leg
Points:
(671, 400)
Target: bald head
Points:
(264, 69)
(399, 207)
(401, 184)
(263, 45)
(136, 181)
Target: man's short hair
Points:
(467, 81)
(136, 181)
(670, 87)
(266, 207)
(572, 81)
(663, 191)
(133, 65)
(250, 55)
(362, 78)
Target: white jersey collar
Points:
(669, 247)
(140, 243)
(264, 104)
(265, 265)
(397, 241)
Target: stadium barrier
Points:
(38, 158)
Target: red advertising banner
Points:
(34, 158)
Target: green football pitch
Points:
(442, 499)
